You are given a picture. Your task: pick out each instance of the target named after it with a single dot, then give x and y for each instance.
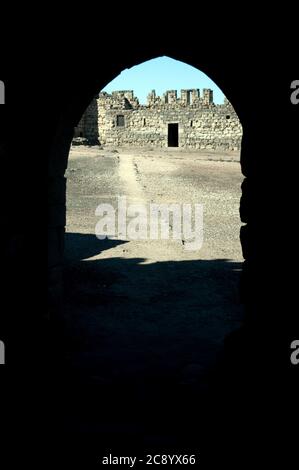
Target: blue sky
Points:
(161, 74)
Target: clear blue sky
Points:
(162, 74)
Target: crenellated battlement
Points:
(191, 120)
(125, 99)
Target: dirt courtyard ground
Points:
(150, 310)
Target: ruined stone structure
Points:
(191, 121)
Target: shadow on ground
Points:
(79, 246)
(131, 322)
(143, 360)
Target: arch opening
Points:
(121, 259)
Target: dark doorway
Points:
(173, 135)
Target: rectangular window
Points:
(120, 120)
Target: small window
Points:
(191, 123)
(120, 120)
(144, 122)
(227, 116)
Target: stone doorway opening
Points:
(173, 135)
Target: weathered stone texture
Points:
(88, 125)
(118, 119)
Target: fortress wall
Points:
(119, 120)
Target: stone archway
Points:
(62, 140)
(56, 271)
(263, 144)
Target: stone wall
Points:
(88, 125)
(119, 120)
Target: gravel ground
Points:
(150, 310)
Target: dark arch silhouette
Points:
(268, 286)
(233, 80)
